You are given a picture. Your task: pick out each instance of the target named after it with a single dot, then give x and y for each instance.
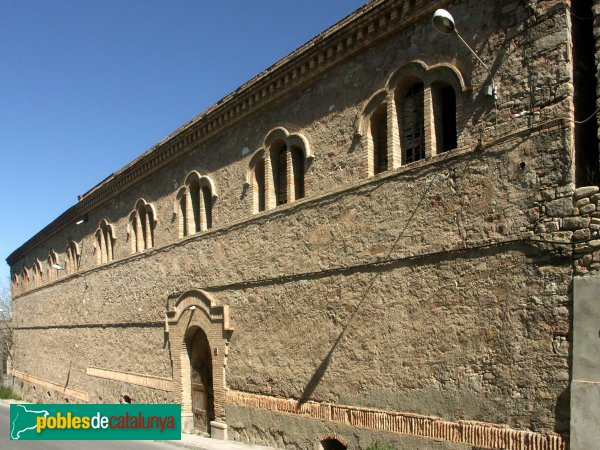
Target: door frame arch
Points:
(197, 309)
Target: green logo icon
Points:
(95, 422)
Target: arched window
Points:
(37, 274)
(105, 242)
(277, 175)
(142, 221)
(287, 166)
(298, 169)
(444, 112)
(378, 127)
(279, 167)
(413, 129)
(72, 257)
(194, 204)
(25, 280)
(52, 266)
(15, 285)
(206, 203)
(257, 181)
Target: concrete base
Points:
(585, 415)
(187, 422)
(585, 386)
(218, 430)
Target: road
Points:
(6, 443)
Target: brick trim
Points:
(160, 383)
(358, 31)
(478, 434)
(182, 322)
(74, 393)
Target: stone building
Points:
(360, 244)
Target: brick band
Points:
(74, 393)
(160, 383)
(480, 434)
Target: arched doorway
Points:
(198, 333)
(332, 444)
(201, 380)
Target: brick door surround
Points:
(186, 313)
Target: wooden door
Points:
(201, 381)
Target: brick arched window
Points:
(379, 130)
(37, 274)
(142, 222)
(288, 166)
(279, 166)
(277, 175)
(257, 181)
(72, 257)
(15, 285)
(52, 266)
(105, 241)
(24, 280)
(194, 204)
(412, 133)
(444, 113)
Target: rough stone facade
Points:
(425, 304)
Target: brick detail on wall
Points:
(213, 320)
(160, 383)
(479, 434)
(74, 393)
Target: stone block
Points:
(575, 223)
(585, 191)
(560, 207)
(581, 234)
(582, 202)
(587, 208)
(218, 430)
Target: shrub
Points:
(6, 392)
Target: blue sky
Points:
(86, 86)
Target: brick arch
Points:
(372, 104)
(186, 313)
(418, 69)
(331, 436)
(290, 139)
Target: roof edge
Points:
(357, 31)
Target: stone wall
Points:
(440, 288)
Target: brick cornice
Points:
(359, 30)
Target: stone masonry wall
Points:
(423, 290)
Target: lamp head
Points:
(443, 21)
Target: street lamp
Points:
(443, 21)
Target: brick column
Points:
(289, 174)
(201, 210)
(189, 213)
(108, 243)
(102, 245)
(366, 143)
(270, 188)
(393, 136)
(429, 123)
(139, 234)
